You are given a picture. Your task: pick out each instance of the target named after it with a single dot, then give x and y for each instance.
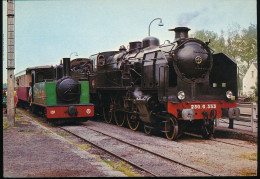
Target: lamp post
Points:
(160, 24)
(73, 53)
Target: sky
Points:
(48, 30)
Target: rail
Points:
(248, 113)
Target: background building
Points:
(250, 80)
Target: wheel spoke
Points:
(119, 113)
(108, 110)
(171, 129)
(131, 112)
(107, 117)
(133, 122)
(132, 118)
(147, 130)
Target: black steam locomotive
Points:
(174, 87)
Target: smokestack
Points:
(180, 32)
(66, 67)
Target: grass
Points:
(18, 120)
(255, 99)
(201, 161)
(122, 167)
(249, 172)
(252, 156)
(44, 132)
(63, 134)
(25, 130)
(6, 126)
(83, 146)
(18, 116)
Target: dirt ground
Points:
(29, 151)
(224, 157)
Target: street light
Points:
(72, 53)
(160, 24)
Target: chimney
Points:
(66, 67)
(180, 32)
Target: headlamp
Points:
(181, 95)
(229, 94)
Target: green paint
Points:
(51, 93)
(45, 93)
(84, 97)
(39, 93)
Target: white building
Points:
(250, 80)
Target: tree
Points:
(255, 89)
(205, 35)
(248, 45)
(239, 45)
(217, 42)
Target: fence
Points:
(248, 114)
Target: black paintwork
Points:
(163, 71)
(158, 72)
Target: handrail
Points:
(250, 116)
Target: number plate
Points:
(203, 106)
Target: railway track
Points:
(216, 140)
(143, 159)
(190, 156)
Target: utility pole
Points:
(10, 63)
